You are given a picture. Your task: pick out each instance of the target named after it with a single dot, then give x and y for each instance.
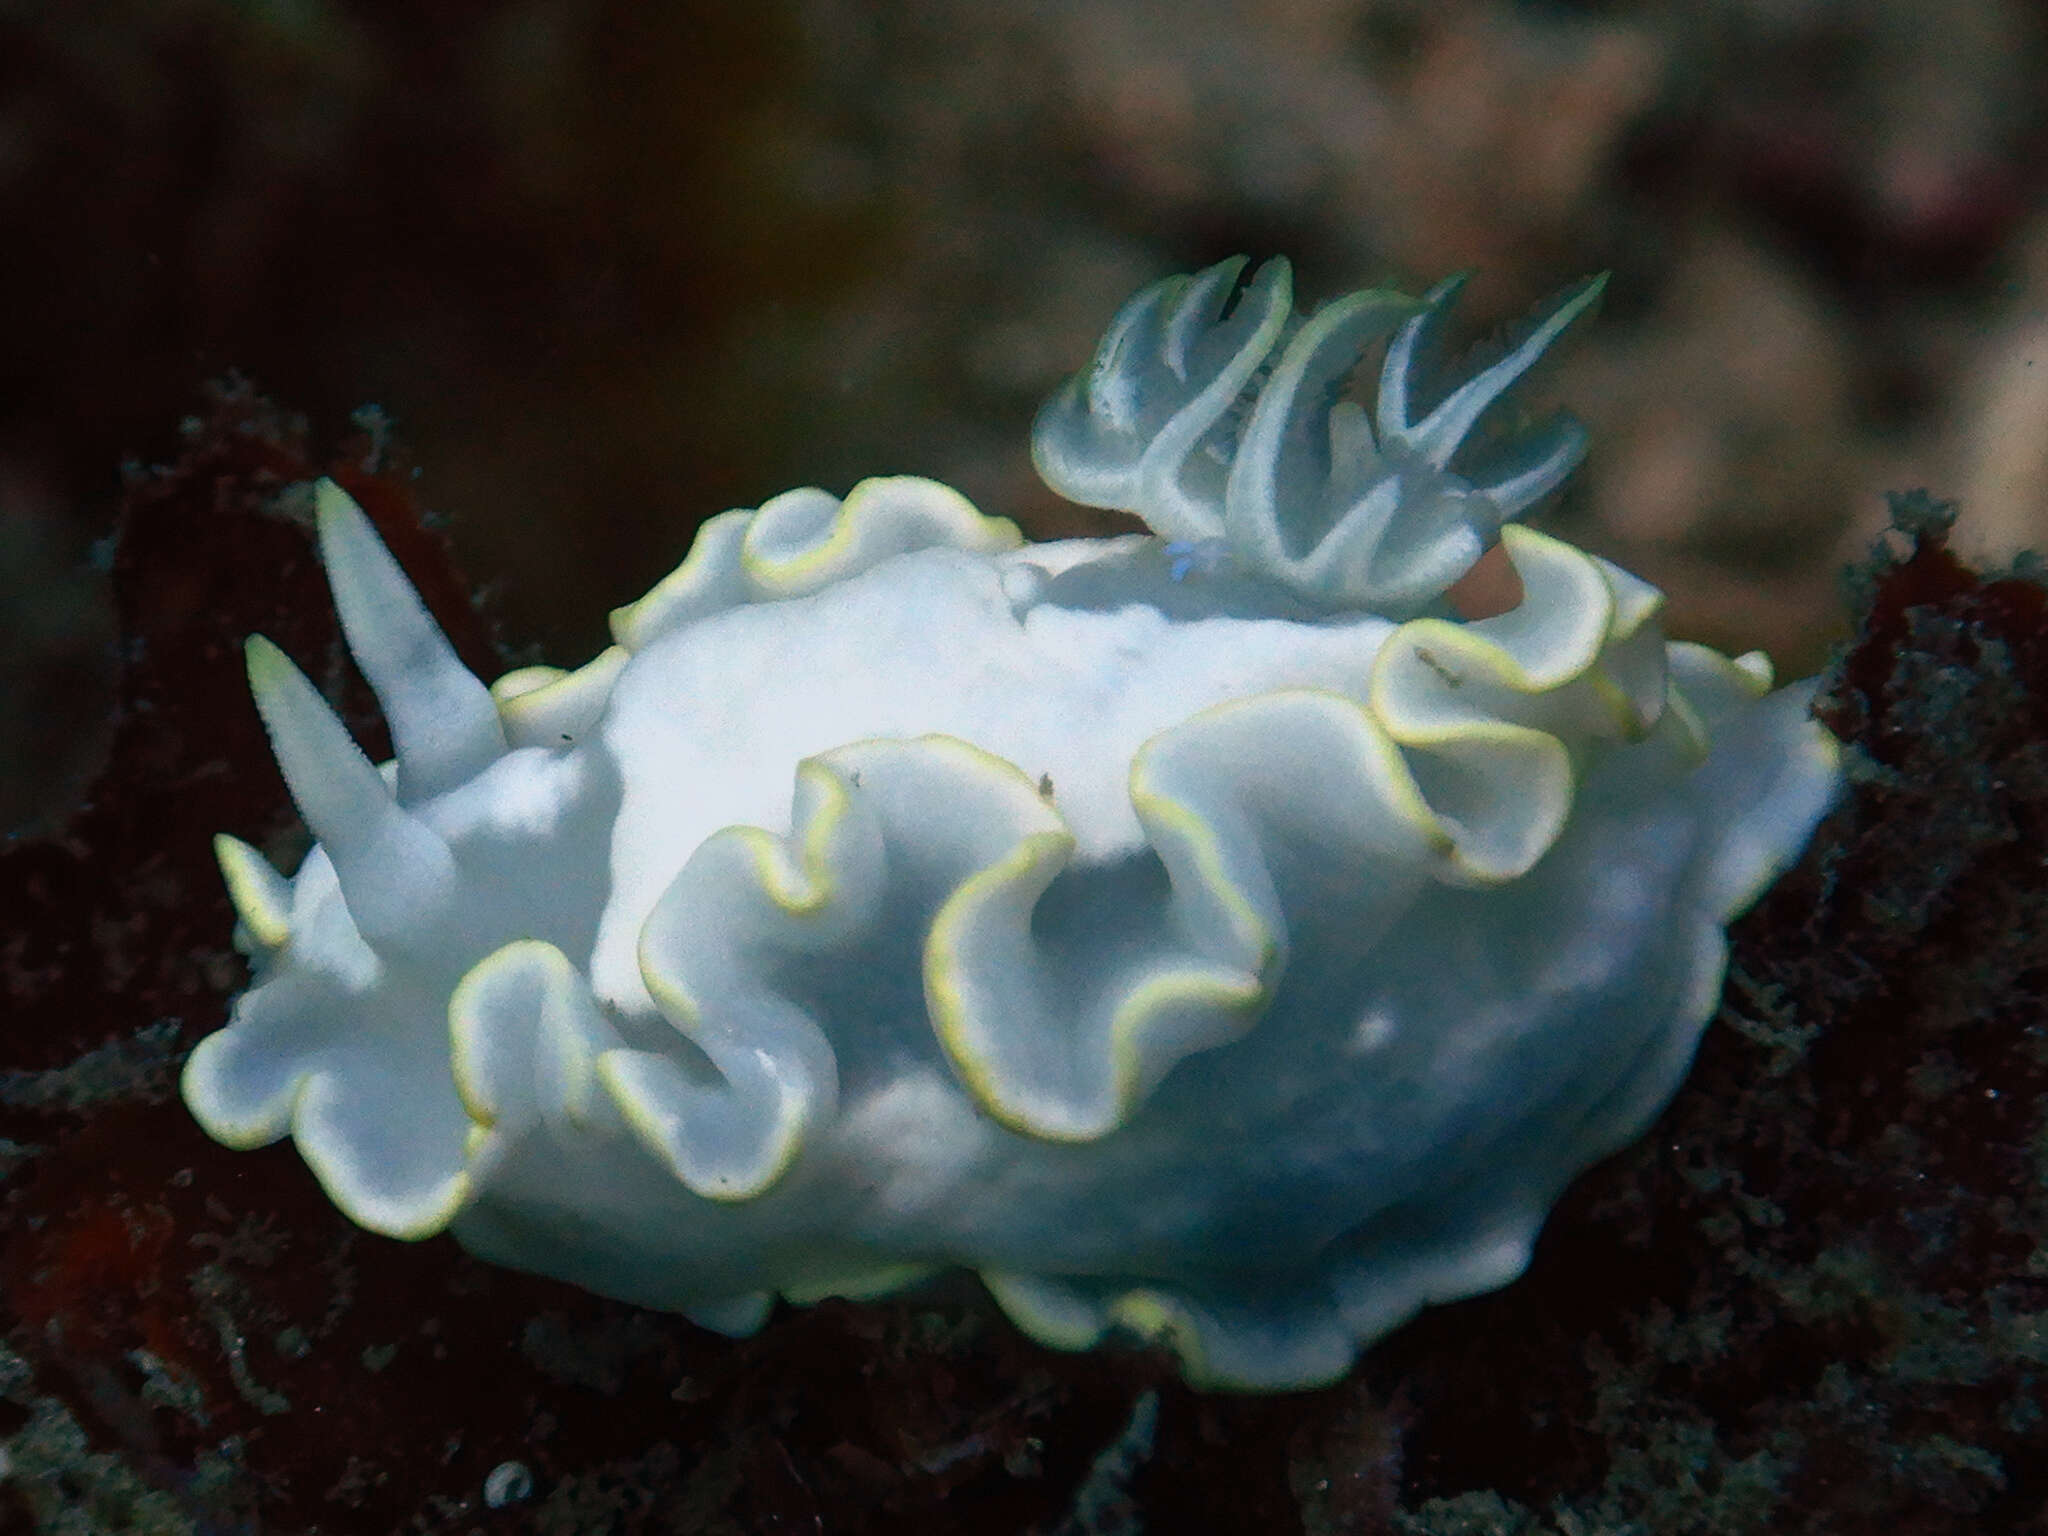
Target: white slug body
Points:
(1203, 933)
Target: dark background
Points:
(613, 267)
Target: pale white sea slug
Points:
(1205, 933)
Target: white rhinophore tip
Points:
(396, 873)
(444, 727)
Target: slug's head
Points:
(467, 840)
(1216, 420)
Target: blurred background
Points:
(612, 267)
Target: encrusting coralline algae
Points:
(1204, 932)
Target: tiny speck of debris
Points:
(1450, 678)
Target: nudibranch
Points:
(1204, 933)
